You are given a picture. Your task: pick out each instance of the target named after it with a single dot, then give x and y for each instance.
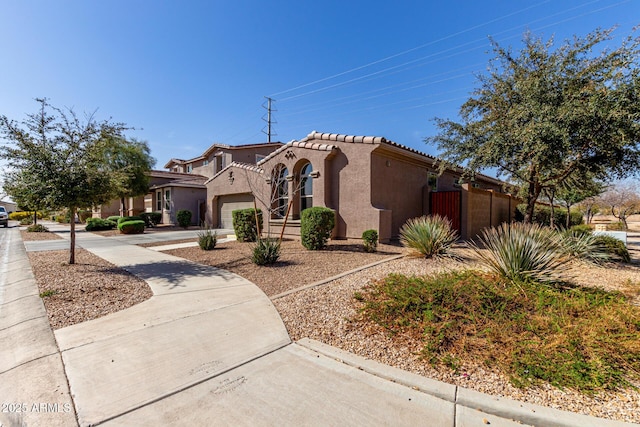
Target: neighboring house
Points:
(182, 187)
(371, 183)
(9, 206)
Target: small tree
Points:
(623, 201)
(61, 158)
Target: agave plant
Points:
(524, 252)
(430, 236)
(266, 251)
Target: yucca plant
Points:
(207, 239)
(584, 246)
(266, 251)
(430, 235)
(520, 253)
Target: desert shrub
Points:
(521, 253)
(83, 215)
(37, 228)
(151, 219)
(429, 236)
(114, 218)
(20, 215)
(615, 247)
(26, 221)
(581, 229)
(582, 338)
(207, 239)
(316, 224)
(122, 219)
(542, 216)
(62, 219)
(266, 251)
(183, 217)
(97, 224)
(370, 240)
(616, 226)
(131, 227)
(244, 224)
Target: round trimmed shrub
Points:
(97, 224)
(131, 227)
(316, 224)
(244, 224)
(184, 218)
(114, 218)
(370, 240)
(151, 219)
(613, 246)
(122, 219)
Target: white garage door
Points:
(229, 204)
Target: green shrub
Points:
(430, 235)
(122, 219)
(151, 219)
(62, 219)
(616, 226)
(83, 215)
(581, 229)
(37, 228)
(316, 224)
(207, 239)
(20, 215)
(131, 227)
(183, 217)
(521, 253)
(266, 251)
(97, 224)
(542, 216)
(114, 218)
(244, 224)
(26, 221)
(370, 240)
(613, 246)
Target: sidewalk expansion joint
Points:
(23, 321)
(190, 385)
(30, 361)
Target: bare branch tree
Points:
(623, 200)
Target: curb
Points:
(526, 413)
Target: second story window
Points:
(189, 168)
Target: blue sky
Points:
(190, 73)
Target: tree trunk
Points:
(532, 197)
(72, 247)
(568, 216)
(123, 207)
(35, 217)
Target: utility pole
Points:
(268, 119)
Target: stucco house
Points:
(370, 182)
(182, 186)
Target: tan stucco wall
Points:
(484, 208)
(184, 198)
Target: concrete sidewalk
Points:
(209, 348)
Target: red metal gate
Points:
(447, 204)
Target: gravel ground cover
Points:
(31, 237)
(89, 289)
(295, 268)
(327, 313)
(330, 314)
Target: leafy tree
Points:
(623, 200)
(132, 159)
(60, 159)
(546, 114)
(573, 193)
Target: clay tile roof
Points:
(304, 143)
(239, 165)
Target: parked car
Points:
(4, 217)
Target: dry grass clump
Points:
(582, 338)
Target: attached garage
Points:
(228, 204)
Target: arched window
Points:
(281, 190)
(306, 187)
